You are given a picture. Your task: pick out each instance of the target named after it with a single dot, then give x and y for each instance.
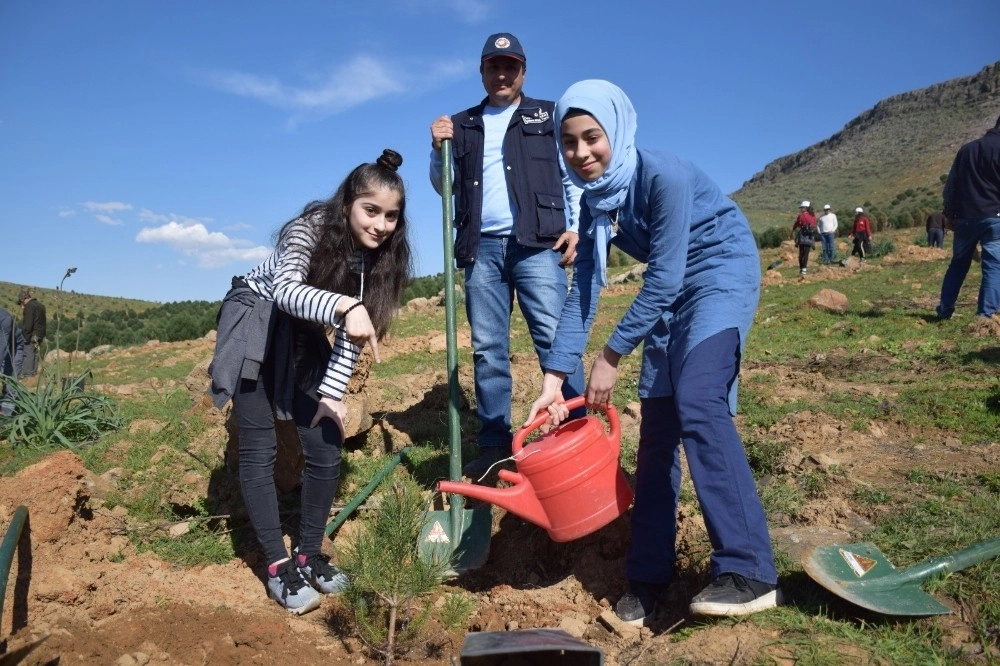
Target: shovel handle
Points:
(571, 404)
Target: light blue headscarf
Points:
(612, 109)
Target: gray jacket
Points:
(247, 328)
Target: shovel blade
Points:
(863, 575)
(466, 551)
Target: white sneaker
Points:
(318, 572)
(287, 586)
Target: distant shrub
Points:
(882, 247)
(772, 237)
(52, 415)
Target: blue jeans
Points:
(935, 238)
(829, 249)
(502, 268)
(968, 233)
(698, 415)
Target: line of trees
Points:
(171, 322)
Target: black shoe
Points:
(733, 594)
(488, 456)
(638, 605)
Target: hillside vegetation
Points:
(81, 322)
(892, 158)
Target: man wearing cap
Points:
(516, 217)
(828, 234)
(972, 202)
(33, 328)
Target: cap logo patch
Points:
(502, 43)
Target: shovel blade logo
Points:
(437, 534)
(859, 564)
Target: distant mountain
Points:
(893, 157)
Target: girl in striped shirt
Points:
(289, 334)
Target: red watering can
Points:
(568, 481)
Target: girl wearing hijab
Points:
(339, 268)
(692, 316)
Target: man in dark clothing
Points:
(33, 328)
(936, 229)
(516, 230)
(972, 202)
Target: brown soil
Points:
(80, 593)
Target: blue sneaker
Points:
(287, 586)
(318, 572)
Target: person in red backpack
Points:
(861, 232)
(804, 232)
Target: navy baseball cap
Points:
(502, 44)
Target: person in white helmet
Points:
(827, 224)
(861, 232)
(804, 233)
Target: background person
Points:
(804, 233)
(33, 326)
(341, 265)
(692, 315)
(515, 212)
(827, 225)
(972, 200)
(12, 359)
(936, 225)
(861, 232)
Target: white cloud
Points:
(188, 236)
(211, 249)
(466, 11)
(104, 211)
(106, 206)
(360, 80)
(108, 220)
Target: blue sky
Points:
(156, 146)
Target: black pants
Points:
(861, 247)
(804, 256)
(258, 450)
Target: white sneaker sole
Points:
(770, 600)
(311, 605)
(641, 622)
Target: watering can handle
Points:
(571, 404)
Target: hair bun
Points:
(390, 159)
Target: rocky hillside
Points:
(903, 143)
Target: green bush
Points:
(52, 416)
(772, 237)
(882, 247)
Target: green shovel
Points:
(458, 535)
(860, 573)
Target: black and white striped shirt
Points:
(282, 278)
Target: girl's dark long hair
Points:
(388, 268)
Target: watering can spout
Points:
(519, 498)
